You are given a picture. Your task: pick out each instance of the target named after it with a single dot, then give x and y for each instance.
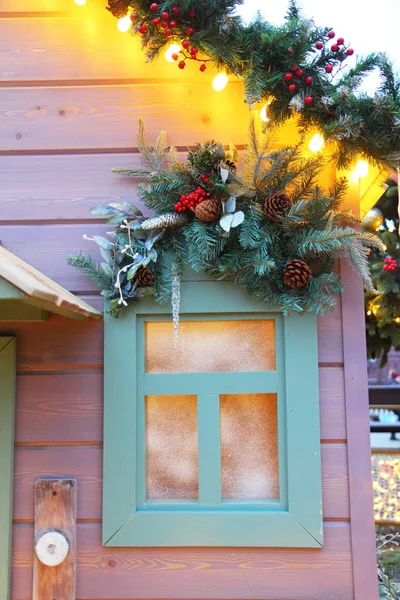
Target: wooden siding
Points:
(67, 116)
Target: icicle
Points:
(176, 299)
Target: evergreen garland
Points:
(383, 310)
(266, 225)
(296, 67)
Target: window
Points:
(215, 442)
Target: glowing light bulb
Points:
(80, 2)
(369, 313)
(316, 143)
(172, 49)
(220, 82)
(361, 169)
(124, 23)
(397, 319)
(264, 113)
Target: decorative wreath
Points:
(264, 224)
(297, 68)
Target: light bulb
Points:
(361, 169)
(264, 113)
(172, 49)
(369, 313)
(220, 81)
(316, 143)
(124, 23)
(397, 319)
(80, 2)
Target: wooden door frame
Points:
(7, 411)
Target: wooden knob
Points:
(52, 548)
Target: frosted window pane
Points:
(172, 470)
(211, 346)
(249, 446)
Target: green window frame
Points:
(129, 519)
(7, 411)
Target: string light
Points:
(361, 169)
(124, 23)
(172, 49)
(316, 143)
(369, 313)
(264, 113)
(386, 486)
(220, 81)
(397, 319)
(80, 2)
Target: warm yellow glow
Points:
(316, 143)
(264, 113)
(361, 169)
(220, 81)
(172, 49)
(369, 313)
(80, 2)
(124, 23)
(397, 319)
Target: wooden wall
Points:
(72, 88)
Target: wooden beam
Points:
(19, 310)
(7, 410)
(55, 514)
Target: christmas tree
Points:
(383, 310)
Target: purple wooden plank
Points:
(359, 451)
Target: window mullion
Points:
(209, 440)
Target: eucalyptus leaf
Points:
(224, 174)
(106, 256)
(226, 222)
(230, 204)
(238, 219)
(102, 211)
(133, 270)
(103, 242)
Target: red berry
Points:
(294, 68)
(172, 24)
(153, 6)
(176, 10)
(186, 44)
(319, 45)
(329, 68)
(203, 177)
(190, 31)
(168, 32)
(331, 35)
(299, 73)
(164, 24)
(203, 68)
(292, 87)
(192, 13)
(156, 22)
(340, 41)
(290, 50)
(350, 51)
(165, 16)
(174, 56)
(143, 28)
(335, 48)
(288, 76)
(308, 80)
(308, 100)
(182, 64)
(133, 16)
(194, 51)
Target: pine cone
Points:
(297, 273)
(276, 205)
(118, 8)
(208, 210)
(144, 277)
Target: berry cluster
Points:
(190, 201)
(389, 264)
(295, 78)
(337, 47)
(173, 23)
